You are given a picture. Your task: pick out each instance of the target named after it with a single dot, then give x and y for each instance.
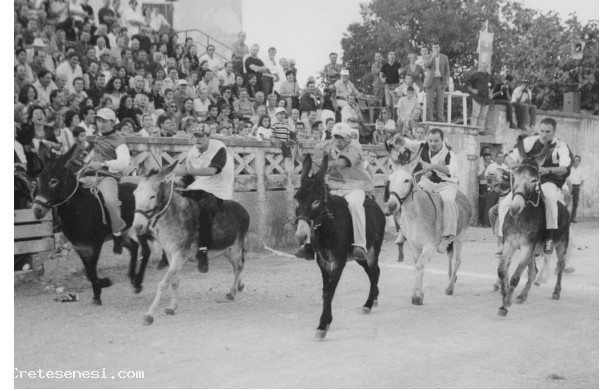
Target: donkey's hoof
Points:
(366, 310)
(148, 320)
(450, 290)
(520, 300)
(96, 301)
(170, 311)
(537, 284)
(137, 289)
(229, 297)
(416, 300)
(320, 335)
(400, 259)
(375, 303)
(556, 296)
(502, 312)
(240, 286)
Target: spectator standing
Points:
(157, 20)
(239, 51)
(406, 105)
(214, 63)
(390, 75)
(345, 88)
(483, 189)
(525, 111)
(502, 94)
(415, 70)
(479, 85)
(437, 75)
(106, 15)
(575, 181)
(133, 19)
(331, 71)
(378, 86)
(255, 66)
(271, 74)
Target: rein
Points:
(150, 214)
(521, 194)
(411, 192)
(76, 187)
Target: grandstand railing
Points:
(199, 37)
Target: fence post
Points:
(260, 170)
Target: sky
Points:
(321, 23)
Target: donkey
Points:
(524, 230)
(175, 219)
(421, 222)
(328, 218)
(83, 219)
(23, 190)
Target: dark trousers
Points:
(508, 109)
(575, 199)
(267, 85)
(525, 113)
(435, 92)
(208, 205)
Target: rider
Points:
(347, 178)
(441, 176)
(553, 173)
(213, 170)
(109, 158)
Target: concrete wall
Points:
(579, 131)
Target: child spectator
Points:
(264, 132)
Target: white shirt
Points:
(228, 78)
(494, 167)
(576, 176)
(65, 69)
(131, 17)
(220, 185)
(158, 20)
(263, 133)
(89, 130)
(43, 93)
(201, 107)
(213, 63)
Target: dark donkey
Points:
(524, 230)
(82, 219)
(328, 218)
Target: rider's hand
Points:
(180, 170)
(96, 166)
(426, 166)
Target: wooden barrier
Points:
(32, 235)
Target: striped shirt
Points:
(281, 131)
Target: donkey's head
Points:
(311, 198)
(149, 196)
(527, 176)
(55, 183)
(401, 184)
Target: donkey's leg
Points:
(175, 265)
(417, 295)
(235, 255)
(526, 256)
(132, 246)
(502, 272)
(331, 272)
(562, 252)
(144, 260)
(454, 261)
(373, 271)
(89, 254)
(544, 272)
(171, 310)
(532, 272)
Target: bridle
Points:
(76, 187)
(151, 214)
(314, 226)
(411, 195)
(537, 187)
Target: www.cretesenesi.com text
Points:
(76, 374)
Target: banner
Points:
(485, 49)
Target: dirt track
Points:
(265, 338)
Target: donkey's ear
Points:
(520, 146)
(323, 167)
(67, 157)
(169, 169)
(306, 166)
(143, 170)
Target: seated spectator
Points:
(525, 111)
(311, 118)
(237, 85)
(252, 87)
(309, 100)
(127, 110)
(331, 71)
(171, 82)
(294, 118)
(187, 111)
(210, 82)
(369, 163)
(148, 125)
(271, 105)
(166, 126)
(225, 118)
(211, 116)
(329, 125)
(300, 132)
(78, 87)
(202, 104)
(502, 94)
(28, 95)
(243, 107)
(380, 136)
(226, 97)
(316, 133)
(87, 114)
(44, 86)
(38, 139)
(74, 102)
(290, 91)
(280, 129)
(65, 135)
(351, 110)
(115, 91)
(420, 132)
(345, 88)
(264, 131)
(259, 100)
(226, 75)
(330, 105)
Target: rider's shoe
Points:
(548, 246)
(202, 257)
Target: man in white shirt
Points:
(157, 20)
(227, 75)
(344, 88)
(133, 19)
(44, 85)
(70, 69)
(269, 78)
(202, 103)
(574, 181)
(525, 111)
(214, 63)
(212, 167)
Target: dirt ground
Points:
(265, 338)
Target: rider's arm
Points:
(122, 161)
(216, 165)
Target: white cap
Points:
(344, 72)
(182, 82)
(106, 114)
(341, 130)
(38, 42)
(279, 109)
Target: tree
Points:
(527, 43)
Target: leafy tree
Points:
(527, 42)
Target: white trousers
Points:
(355, 199)
(448, 193)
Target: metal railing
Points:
(226, 52)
